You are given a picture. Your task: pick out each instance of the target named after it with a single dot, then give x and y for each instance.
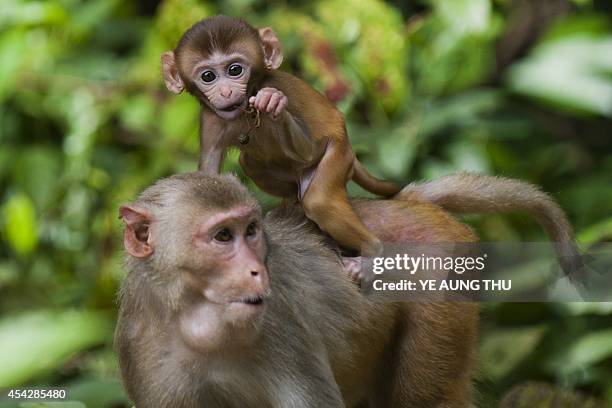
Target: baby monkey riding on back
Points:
(292, 139)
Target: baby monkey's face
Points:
(223, 79)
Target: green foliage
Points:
(86, 123)
(20, 224)
(581, 83)
(504, 349)
(38, 342)
(357, 37)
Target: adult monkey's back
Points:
(200, 328)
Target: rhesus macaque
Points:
(293, 140)
(223, 309)
(478, 193)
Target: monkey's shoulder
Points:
(290, 233)
(291, 239)
(287, 226)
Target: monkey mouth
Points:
(231, 111)
(233, 107)
(253, 300)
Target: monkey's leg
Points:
(326, 202)
(433, 359)
(212, 145)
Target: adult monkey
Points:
(223, 309)
(296, 148)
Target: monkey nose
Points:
(259, 275)
(258, 271)
(226, 92)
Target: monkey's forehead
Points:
(247, 48)
(199, 190)
(204, 205)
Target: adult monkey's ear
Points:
(273, 54)
(137, 238)
(172, 77)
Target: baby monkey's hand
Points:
(269, 100)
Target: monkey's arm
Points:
(212, 144)
(289, 119)
(297, 141)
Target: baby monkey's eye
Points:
(224, 235)
(251, 229)
(234, 70)
(208, 76)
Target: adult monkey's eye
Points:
(251, 229)
(224, 235)
(234, 70)
(208, 76)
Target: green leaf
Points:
(357, 39)
(12, 50)
(20, 224)
(582, 308)
(462, 110)
(138, 112)
(586, 351)
(464, 16)
(24, 13)
(596, 233)
(37, 172)
(98, 393)
(468, 156)
(179, 120)
(453, 45)
(573, 74)
(503, 349)
(397, 151)
(34, 343)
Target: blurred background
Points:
(518, 88)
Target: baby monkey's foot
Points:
(352, 265)
(269, 100)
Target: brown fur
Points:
(320, 344)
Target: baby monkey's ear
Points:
(172, 77)
(273, 54)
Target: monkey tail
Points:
(476, 193)
(362, 177)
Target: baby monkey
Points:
(292, 139)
